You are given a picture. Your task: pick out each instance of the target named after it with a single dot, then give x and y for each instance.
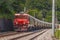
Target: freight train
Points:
(25, 22)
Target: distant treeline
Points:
(36, 8)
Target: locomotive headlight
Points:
(24, 22)
(16, 22)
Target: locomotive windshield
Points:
(22, 16)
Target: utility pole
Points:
(53, 17)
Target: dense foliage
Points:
(37, 8)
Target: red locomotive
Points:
(21, 22)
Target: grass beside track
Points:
(57, 34)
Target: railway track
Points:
(18, 36)
(30, 36)
(38, 35)
(7, 34)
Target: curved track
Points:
(7, 34)
(24, 35)
(30, 36)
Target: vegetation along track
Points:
(36, 32)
